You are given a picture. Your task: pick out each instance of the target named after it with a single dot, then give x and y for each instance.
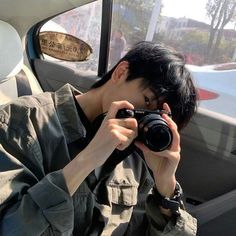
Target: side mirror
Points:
(64, 46)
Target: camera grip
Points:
(125, 113)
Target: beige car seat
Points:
(13, 72)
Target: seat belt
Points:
(23, 85)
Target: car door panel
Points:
(207, 168)
(207, 171)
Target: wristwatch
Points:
(174, 203)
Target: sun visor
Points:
(80, 2)
(11, 56)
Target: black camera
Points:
(153, 130)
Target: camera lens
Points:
(155, 133)
(158, 137)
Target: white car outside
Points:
(220, 82)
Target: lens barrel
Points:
(154, 132)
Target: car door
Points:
(207, 171)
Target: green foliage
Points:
(132, 17)
(199, 45)
(220, 12)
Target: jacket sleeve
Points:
(31, 207)
(183, 225)
(34, 200)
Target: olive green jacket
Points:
(34, 135)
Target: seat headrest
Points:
(11, 51)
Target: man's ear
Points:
(120, 72)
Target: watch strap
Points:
(173, 203)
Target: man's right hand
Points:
(113, 134)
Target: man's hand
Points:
(113, 134)
(164, 164)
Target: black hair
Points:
(163, 71)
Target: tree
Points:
(132, 17)
(220, 13)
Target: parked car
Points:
(217, 88)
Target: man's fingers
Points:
(170, 122)
(125, 137)
(115, 106)
(129, 123)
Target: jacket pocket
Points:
(123, 194)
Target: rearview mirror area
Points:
(64, 46)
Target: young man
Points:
(59, 178)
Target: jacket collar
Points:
(67, 113)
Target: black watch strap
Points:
(172, 203)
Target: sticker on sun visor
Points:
(64, 46)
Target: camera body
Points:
(153, 130)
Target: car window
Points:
(203, 30)
(84, 23)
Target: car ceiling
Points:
(22, 14)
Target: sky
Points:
(194, 9)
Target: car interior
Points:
(15, 77)
(207, 171)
